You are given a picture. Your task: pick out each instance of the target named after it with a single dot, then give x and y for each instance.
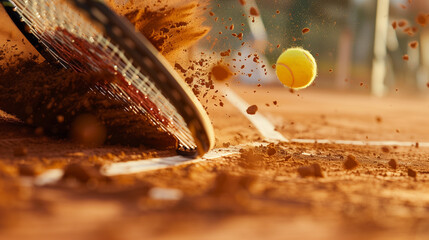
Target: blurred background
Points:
(354, 41)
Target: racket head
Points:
(170, 98)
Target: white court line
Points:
(361, 143)
(49, 177)
(264, 126)
(139, 166)
(132, 167)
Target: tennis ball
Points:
(296, 68)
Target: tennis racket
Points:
(86, 35)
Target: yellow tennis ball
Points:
(296, 68)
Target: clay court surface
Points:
(305, 188)
(256, 194)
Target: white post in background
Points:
(344, 58)
(380, 45)
(423, 72)
(256, 25)
(260, 43)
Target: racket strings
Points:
(62, 30)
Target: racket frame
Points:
(136, 47)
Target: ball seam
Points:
(291, 73)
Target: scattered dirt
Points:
(393, 164)
(305, 30)
(414, 44)
(402, 23)
(252, 110)
(171, 26)
(221, 72)
(385, 149)
(378, 119)
(313, 170)
(82, 173)
(254, 12)
(271, 151)
(422, 19)
(411, 173)
(350, 163)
